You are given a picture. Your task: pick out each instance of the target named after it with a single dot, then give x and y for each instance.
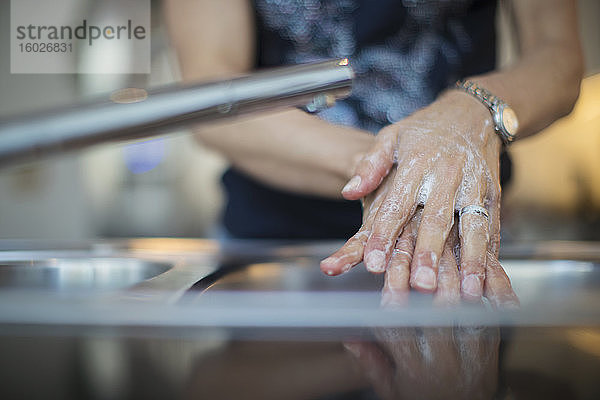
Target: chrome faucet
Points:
(135, 113)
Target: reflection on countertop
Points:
(412, 363)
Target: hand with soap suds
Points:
(497, 287)
(443, 158)
(447, 154)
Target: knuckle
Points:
(379, 240)
(446, 265)
(361, 236)
(474, 269)
(373, 163)
(349, 246)
(365, 164)
(404, 243)
(401, 259)
(472, 265)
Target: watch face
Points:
(509, 121)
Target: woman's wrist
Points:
(470, 118)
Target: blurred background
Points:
(171, 186)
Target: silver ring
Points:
(474, 209)
(402, 252)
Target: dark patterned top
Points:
(404, 52)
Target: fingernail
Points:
(327, 265)
(425, 278)
(352, 184)
(375, 261)
(472, 286)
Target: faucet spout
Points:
(134, 113)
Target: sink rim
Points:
(65, 274)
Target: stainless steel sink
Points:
(535, 281)
(91, 309)
(183, 283)
(77, 274)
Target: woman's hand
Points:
(497, 287)
(447, 157)
(458, 362)
(351, 253)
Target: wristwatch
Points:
(505, 119)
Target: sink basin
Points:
(537, 282)
(174, 282)
(554, 289)
(77, 274)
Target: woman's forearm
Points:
(291, 150)
(544, 84)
